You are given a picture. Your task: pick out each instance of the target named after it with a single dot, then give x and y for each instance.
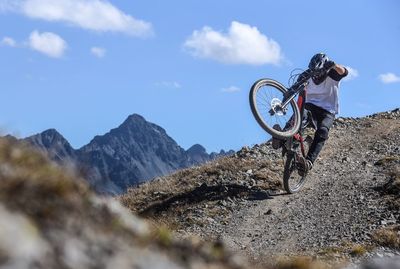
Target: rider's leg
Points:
(307, 121)
(276, 142)
(324, 121)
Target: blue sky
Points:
(83, 66)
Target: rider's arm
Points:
(338, 72)
(303, 75)
(341, 70)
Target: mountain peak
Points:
(10, 138)
(52, 142)
(197, 149)
(52, 132)
(135, 122)
(48, 136)
(135, 118)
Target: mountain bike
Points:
(273, 105)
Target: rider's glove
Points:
(329, 64)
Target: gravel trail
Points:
(239, 200)
(339, 203)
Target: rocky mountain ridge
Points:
(132, 153)
(54, 144)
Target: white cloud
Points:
(47, 43)
(96, 15)
(169, 84)
(389, 78)
(231, 89)
(98, 52)
(243, 44)
(8, 41)
(353, 73)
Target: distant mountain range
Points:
(132, 153)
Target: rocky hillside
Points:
(347, 211)
(50, 219)
(134, 152)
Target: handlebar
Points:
(306, 75)
(301, 83)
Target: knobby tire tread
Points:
(290, 158)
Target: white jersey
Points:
(326, 94)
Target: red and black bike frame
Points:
(301, 104)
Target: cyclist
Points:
(322, 104)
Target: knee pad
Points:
(322, 133)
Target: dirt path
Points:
(337, 205)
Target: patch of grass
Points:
(358, 250)
(227, 169)
(329, 251)
(218, 250)
(388, 237)
(345, 249)
(300, 263)
(393, 186)
(391, 189)
(388, 159)
(164, 236)
(30, 183)
(390, 166)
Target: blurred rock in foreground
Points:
(50, 219)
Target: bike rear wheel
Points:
(265, 101)
(292, 181)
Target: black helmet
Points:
(318, 61)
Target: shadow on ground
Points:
(208, 193)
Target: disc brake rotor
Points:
(276, 107)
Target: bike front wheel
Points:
(265, 101)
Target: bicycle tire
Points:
(262, 120)
(288, 176)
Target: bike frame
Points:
(298, 137)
